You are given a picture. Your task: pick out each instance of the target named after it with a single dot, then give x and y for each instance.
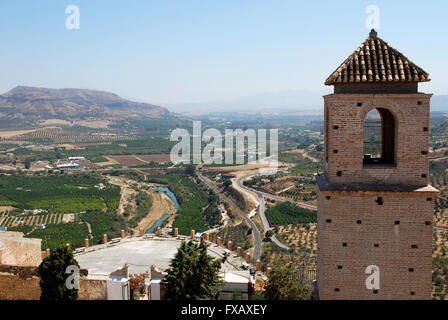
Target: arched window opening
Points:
(379, 138)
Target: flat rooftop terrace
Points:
(140, 253)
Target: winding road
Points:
(261, 209)
(258, 244)
(272, 196)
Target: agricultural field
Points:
(291, 186)
(239, 234)
(286, 213)
(12, 221)
(438, 178)
(63, 135)
(140, 160)
(56, 193)
(302, 165)
(63, 203)
(301, 237)
(304, 263)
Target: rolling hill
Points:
(29, 105)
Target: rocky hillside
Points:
(32, 104)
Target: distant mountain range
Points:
(299, 102)
(27, 106)
(33, 104)
(295, 101)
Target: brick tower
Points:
(375, 216)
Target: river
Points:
(159, 222)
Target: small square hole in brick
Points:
(428, 199)
(335, 127)
(339, 173)
(412, 293)
(335, 151)
(411, 269)
(328, 220)
(359, 104)
(344, 244)
(336, 289)
(425, 129)
(414, 246)
(376, 245)
(328, 197)
(424, 152)
(375, 291)
(419, 103)
(397, 222)
(423, 175)
(358, 221)
(339, 267)
(379, 201)
(428, 223)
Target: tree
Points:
(193, 274)
(189, 170)
(53, 276)
(269, 234)
(283, 284)
(27, 164)
(227, 183)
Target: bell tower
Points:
(375, 206)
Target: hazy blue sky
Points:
(183, 51)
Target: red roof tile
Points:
(376, 61)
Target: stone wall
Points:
(22, 283)
(19, 283)
(16, 250)
(92, 288)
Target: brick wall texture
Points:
(344, 133)
(355, 229)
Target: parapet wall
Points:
(19, 283)
(19, 251)
(22, 283)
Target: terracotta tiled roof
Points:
(376, 61)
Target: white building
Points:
(71, 165)
(76, 158)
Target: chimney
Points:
(229, 245)
(140, 232)
(238, 251)
(268, 271)
(159, 231)
(68, 246)
(258, 265)
(86, 243)
(247, 257)
(47, 252)
(206, 237)
(192, 233)
(218, 241)
(122, 234)
(176, 232)
(104, 238)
